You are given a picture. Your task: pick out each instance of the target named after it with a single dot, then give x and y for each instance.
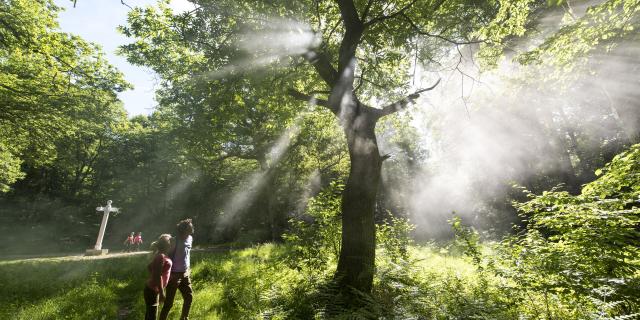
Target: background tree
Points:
(52, 85)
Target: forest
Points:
(339, 159)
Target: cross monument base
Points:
(94, 252)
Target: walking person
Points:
(160, 271)
(128, 243)
(137, 241)
(180, 270)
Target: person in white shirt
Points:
(179, 279)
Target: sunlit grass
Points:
(252, 283)
(227, 285)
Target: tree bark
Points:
(357, 254)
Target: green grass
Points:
(242, 284)
(227, 285)
(261, 282)
(72, 289)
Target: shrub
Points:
(574, 247)
(579, 243)
(394, 236)
(315, 237)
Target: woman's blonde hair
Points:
(162, 244)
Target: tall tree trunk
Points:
(356, 263)
(357, 254)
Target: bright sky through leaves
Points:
(96, 21)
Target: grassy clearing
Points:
(253, 283)
(261, 282)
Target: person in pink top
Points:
(160, 270)
(180, 254)
(137, 241)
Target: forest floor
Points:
(252, 283)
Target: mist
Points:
(248, 190)
(268, 42)
(485, 133)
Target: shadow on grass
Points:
(71, 289)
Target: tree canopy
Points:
(53, 86)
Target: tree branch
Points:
(349, 14)
(123, 3)
(364, 69)
(311, 99)
(402, 103)
(236, 154)
(12, 89)
(323, 66)
(333, 29)
(418, 30)
(391, 16)
(11, 29)
(353, 32)
(377, 85)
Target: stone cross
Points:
(97, 249)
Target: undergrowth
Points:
(577, 258)
(253, 283)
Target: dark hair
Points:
(183, 226)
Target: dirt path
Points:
(64, 257)
(80, 256)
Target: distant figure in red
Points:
(128, 243)
(137, 241)
(160, 271)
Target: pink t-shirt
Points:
(161, 265)
(137, 240)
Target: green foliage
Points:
(394, 237)
(68, 289)
(260, 282)
(602, 27)
(578, 256)
(565, 47)
(52, 86)
(468, 239)
(315, 238)
(582, 242)
(253, 283)
(509, 22)
(9, 168)
(63, 129)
